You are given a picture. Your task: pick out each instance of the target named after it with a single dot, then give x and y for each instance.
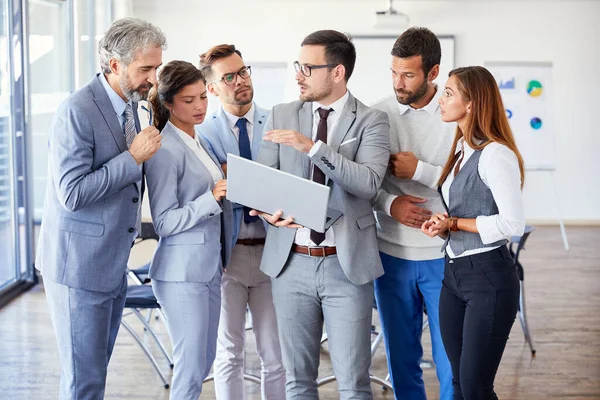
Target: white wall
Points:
(565, 33)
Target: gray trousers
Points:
(86, 324)
(192, 313)
(244, 284)
(311, 291)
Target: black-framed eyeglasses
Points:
(229, 79)
(307, 69)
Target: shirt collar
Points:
(233, 119)
(468, 149)
(430, 108)
(186, 138)
(337, 107)
(116, 100)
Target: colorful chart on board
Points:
(534, 88)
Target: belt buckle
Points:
(316, 248)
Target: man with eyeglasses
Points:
(237, 128)
(330, 137)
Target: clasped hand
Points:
(436, 225)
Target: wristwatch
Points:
(454, 224)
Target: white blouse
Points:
(194, 144)
(499, 170)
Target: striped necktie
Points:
(129, 125)
(318, 175)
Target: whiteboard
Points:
(371, 80)
(526, 90)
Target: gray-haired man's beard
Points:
(134, 94)
(140, 93)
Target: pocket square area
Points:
(348, 141)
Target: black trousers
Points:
(478, 306)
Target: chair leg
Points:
(247, 377)
(324, 337)
(156, 339)
(134, 277)
(147, 352)
(376, 342)
(385, 383)
(251, 378)
(425, 324)
(425, 364)
(523, 318)
(149, 317)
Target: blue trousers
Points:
(401, 293)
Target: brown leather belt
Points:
(250, 242)
(314, 251)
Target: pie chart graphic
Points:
(535, 123)
(534, 88)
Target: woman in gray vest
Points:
(480, 186)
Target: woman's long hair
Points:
(172, 78)
(487, 121)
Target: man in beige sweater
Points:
(413, 262)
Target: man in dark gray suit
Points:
(92, 204)
(332, 138)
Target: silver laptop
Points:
(269, 190)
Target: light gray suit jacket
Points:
(185, 214)
(354, 171)
(221, 140)
(91, 203)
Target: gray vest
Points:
(469, 198)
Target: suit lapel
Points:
(260, 117)
(212, 156)
(168, 130)
(230, 142)
(108, 113)
(344, 124)
(305, 116)
(191, 154)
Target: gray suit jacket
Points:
(354, 171)
(185, 214)
(92, 199)
(221, 140)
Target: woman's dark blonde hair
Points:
(487, 121)
(172, 78)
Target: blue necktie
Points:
(245, 152)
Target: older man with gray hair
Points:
(92, 205)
